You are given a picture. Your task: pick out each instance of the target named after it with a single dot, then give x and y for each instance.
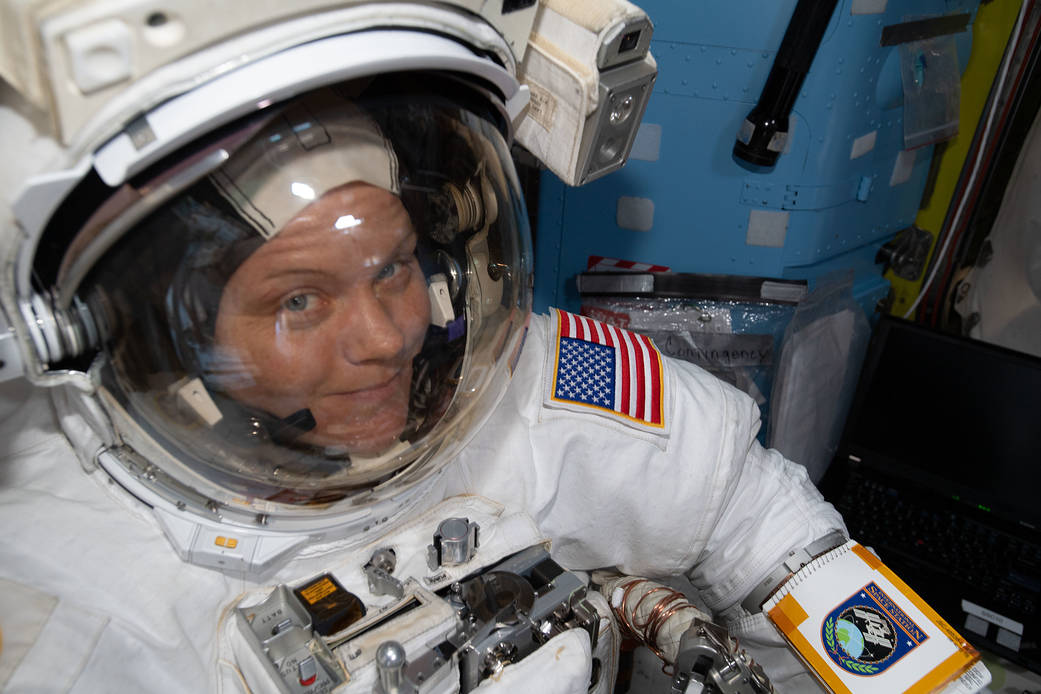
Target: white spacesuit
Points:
(108, 603)
(273, 285)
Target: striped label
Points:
(598, 263)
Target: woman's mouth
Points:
(375, 393)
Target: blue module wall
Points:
(845, 185)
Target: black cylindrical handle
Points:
(765, 131)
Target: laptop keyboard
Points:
(1001, 570)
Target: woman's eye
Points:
(299, 302)
(388, 271)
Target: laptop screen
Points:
(959, 416)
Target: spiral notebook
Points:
(862, 630)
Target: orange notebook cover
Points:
(862, 630)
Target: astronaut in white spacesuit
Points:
(275, 294)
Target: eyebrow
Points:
(404, 246)
(289, 272)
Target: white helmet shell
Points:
(284, 297)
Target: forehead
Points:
(347, 207)
(356, 218)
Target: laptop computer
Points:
(939, 471)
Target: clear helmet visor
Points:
(329, 309)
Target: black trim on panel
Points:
(921, 29)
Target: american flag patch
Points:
(599, 367)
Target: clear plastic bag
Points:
(817, 373)
(737, 341)
(932, 90)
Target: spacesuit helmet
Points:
(277, 270)
(282, 330)
(328, 303)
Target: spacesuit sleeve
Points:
(697, 493)
(767, 507)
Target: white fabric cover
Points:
(561, 666)
(129, 615)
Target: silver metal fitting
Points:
(708, 656)
(390, 669)
(378, 571)
(59, 333)
(455, 542)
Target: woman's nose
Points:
(370, 333)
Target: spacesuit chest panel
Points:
(442, 604)
(600, 369)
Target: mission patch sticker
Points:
(868, 633)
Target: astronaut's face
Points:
(328, 315)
